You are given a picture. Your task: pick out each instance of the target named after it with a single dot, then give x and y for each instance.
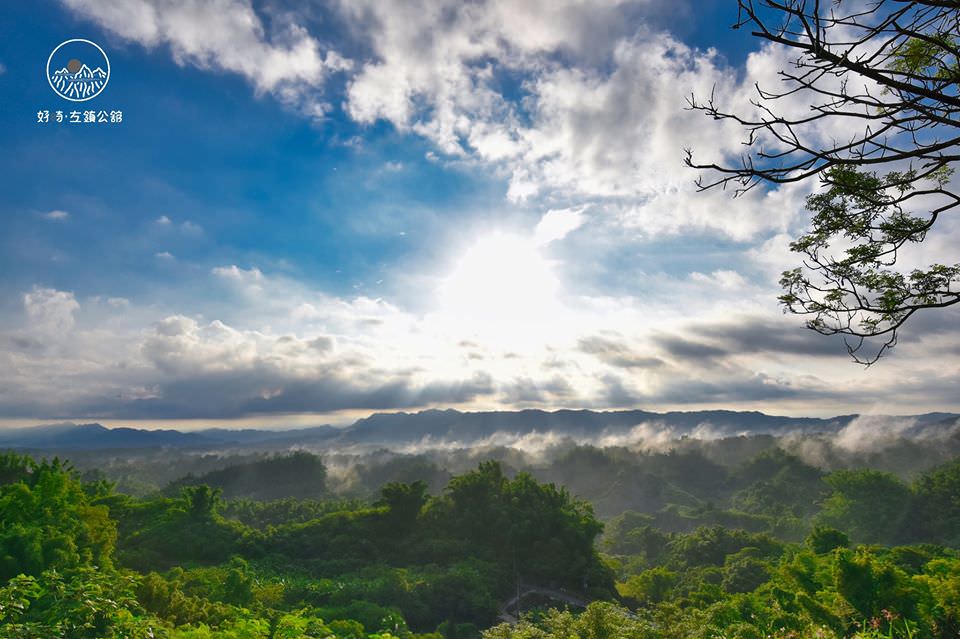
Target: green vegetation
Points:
(767, 547)
(80, 560)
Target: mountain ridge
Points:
(438, 426)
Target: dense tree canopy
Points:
(82, 561)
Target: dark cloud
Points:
(739, 388)
(707, 342)
(755, 335)
(26, 343)
(930, 323)
(261, 392)
(616, 354)
(321, 343)
(529, 391)
(683, 348)
(616, 394)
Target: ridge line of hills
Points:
(441, 427)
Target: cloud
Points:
(224, 36)
(616, 353)
(236, 274)
(874, 433)
(738, 388)
(748, 334)
(577, 102)
(689, 349)
(723, 278)
(616, 393)
(216, 370)
(526, 391)
(285, 348)
(556, 224)
(191, 228)
(593, 118)
(50, 311)
(186, 228)
(164, 255)
(763, 335)
(56, 216)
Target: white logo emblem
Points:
(78, 70)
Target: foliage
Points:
(288, 510)
(301, 475)
(886, 74)
(937, 505)
(867, 504)
(48, 521)
(598, 621)
(485, 514)
(101, 564)
(823, 539)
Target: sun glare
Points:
(502, 281)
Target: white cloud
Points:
(774, 256)
(248, 281)
(56, 215)
(621, 133)
(181, 345)
(191, 228)
(187, 227)
(723, 278)
(227, 35)
(300, 350)
(606, 127)
(234, 273)
(164, 255)
(556, 224)
(50, 311)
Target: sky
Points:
(312, 211)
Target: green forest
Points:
(689, 545)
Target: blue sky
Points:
(312, 211)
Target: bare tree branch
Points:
(890, 71)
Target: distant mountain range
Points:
(70, 436)
(441, 428)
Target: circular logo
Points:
(78, 70)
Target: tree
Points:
(202, 501)
(601, 620)
(937, 512)
(871, 506)
(403, 501)
(536, 530)
(823, 539)
(886, 74)
(48, 522)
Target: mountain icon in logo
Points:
(83, 84)
(79, 74)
